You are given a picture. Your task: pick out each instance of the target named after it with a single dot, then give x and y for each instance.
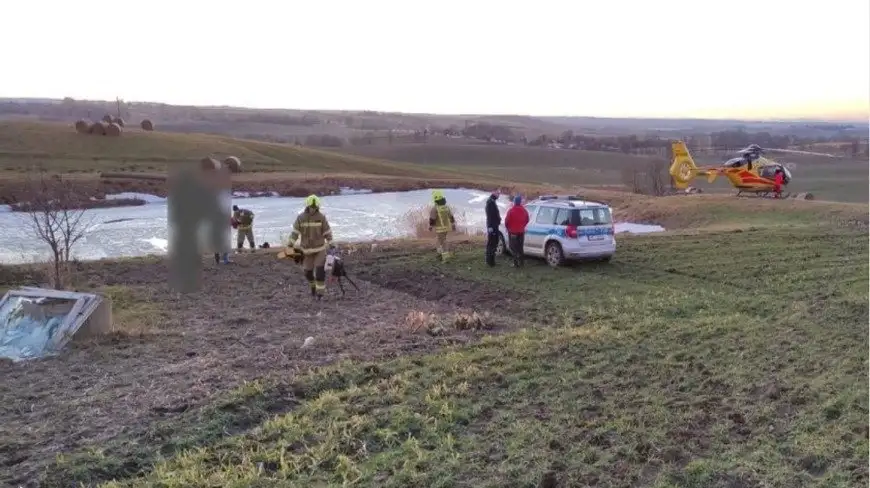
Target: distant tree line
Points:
(728, 139)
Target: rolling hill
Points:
(57, 147)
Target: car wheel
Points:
(554, 254)
(500, 248)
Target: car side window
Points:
(547, 216)
(563, 217)
(531, 209)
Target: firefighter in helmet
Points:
(441, 221)
(243, 221)
(315, 238)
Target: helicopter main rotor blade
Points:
(796, 151)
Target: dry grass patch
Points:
(436, 325)
(416, 220)
(132, 313)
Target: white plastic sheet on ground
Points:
(35, 322)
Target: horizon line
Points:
(772, 119)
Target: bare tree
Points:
(56, 217)
(651, 179)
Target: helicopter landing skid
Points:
(763, 194)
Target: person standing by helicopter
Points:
(778, 178)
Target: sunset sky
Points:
(667, 58)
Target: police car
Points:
(563, 228)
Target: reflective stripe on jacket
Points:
(313, 230)
(441, 218)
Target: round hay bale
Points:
(234, 164)
(119, 121)
(97, 129)
(107, 119)
(147, 125)
(210, 164)
(113, 130)
(82, 126)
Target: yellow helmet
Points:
(312, 201)
(437, 195)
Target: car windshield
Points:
(582, 217)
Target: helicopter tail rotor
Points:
(683, 168)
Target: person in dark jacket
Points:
(515, 220)
(493, 221)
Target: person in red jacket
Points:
(515, 221)
(777, 183)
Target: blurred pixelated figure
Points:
(197, 208)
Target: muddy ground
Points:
(248, 321)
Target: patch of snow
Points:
(352, 191)
(162, 244)
(140, 196)
(631, 228)
(241, 194)
(478, 197)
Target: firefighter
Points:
(244, 224)
(441, 220)
(315, 238)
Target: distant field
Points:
(58, 148)
(518, 163)
(836, 179)
(267, 167)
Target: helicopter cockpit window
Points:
(734, 163)
(768, 171)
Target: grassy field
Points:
(728, 352)
(58, 148)
(518, 163)
(286, 169)
(702, 358)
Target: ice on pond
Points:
(354, 217)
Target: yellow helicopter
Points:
(750, 173)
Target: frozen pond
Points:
(142, 230)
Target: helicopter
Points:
(750, 172)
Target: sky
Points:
(762, 59)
